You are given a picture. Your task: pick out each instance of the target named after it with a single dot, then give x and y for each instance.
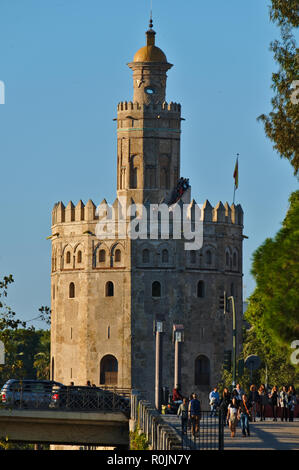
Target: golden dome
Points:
(150, 54)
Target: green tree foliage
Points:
(138, 441)
(282, 124)
(273, 312)
(285, 11)
(275, 366)
(27, 352)
(273, 307)
(276, 270)
(7, 316)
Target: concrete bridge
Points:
(82, 416)
(96, 428)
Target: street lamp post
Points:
(159, 330)
(234, 340)
(178, 338)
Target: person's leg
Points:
(234, 424)
(232, 428)
(183, 425)
(287, 412)
(247, 425)
(193, 424)
(197, 424)
(253, 411)
(242, 422)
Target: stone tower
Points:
(108, 291)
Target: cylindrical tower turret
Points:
(148, 131)
(149, 71)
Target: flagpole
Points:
(236, 176)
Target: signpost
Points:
(252, 362)
(2, 353)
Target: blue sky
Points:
(63, 63)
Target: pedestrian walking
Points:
(244, 415)
(253, 400)
(194, 412)
(224, 403)
(274, 402)
(183, 412)
(263, 401)
(232, 416)
(292, 401)
(239, 392)
(283, 403)
(214, 401)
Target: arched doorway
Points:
(202, 370)
(108, 370)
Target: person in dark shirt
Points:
(194, 413)
(253, 400)
(274, 402)
(244, 415)
(224, 402)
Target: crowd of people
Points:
(236, 406)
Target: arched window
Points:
(108, 370)
(232, 289)
(202, 371)
(235, 260)
(192, 256)
(227, 258)
(71, 290)
(165, 256)
(208, 257)
(156, 289)
(164, 178)
(201, 289)
(145, 256)
(68, 257)
(102, 256)
(117, 255)
(134, 178)
(109, 289)
(79, 257)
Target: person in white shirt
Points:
(232, 416)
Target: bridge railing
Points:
(68, 398)
(159, 435)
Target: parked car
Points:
(87, 398)
(27, 393)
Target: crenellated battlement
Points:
(221, 213)
(152, 107)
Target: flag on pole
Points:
(236, 174)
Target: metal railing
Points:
(159, 435)
(205, 433)
(72, 398)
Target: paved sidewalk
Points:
(265, 435)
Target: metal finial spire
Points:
(151, 16)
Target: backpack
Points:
(195, 406)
